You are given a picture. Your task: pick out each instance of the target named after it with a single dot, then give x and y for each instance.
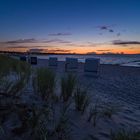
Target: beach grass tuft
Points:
(125, 135)
(44, 82)
(63, 126)
(81, 99)
(109, 110)
(14, 75)
(68, 84)
(94, 114)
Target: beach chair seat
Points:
(33, 60)
(71, 64)
(92, 67)
(53, 62)
(23, 58)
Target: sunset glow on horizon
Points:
(72, 26)
(77, 49)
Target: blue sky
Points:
(96, 21)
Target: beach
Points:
(118, 82)
(119, 85)
(70, 70)
(115, 94)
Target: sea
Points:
(120, 59)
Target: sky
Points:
(70, 26)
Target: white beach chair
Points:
(92, 67)
(71, 64)
(53, 62)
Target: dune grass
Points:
(44, 82)
(68, 84)
(62, 128)
(94, 114)
(40, 120)
(108, 110)
(5, 65)
(81, 99)
(99, 110)
(125, 135)
(14, 75)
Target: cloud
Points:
(106, 28)
(56, 41)
(57, 50)
(24, 47)
(30, 40)
(131, 48)
(118, 34)
(59, 34)
(111, 31)
(54, 50)
(112, 53)
(100, 33)
(104, 50)
(82, 45)
(103, 27)
(91, 53)
(120, 42)
(36, 50)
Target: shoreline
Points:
(121, 60)
(82, 63)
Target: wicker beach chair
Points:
(92, 67)
(33, 60)
(23, 58)
(71, 64)
(53, 62)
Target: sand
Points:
(117, 85)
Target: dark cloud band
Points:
(120, 42)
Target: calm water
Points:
(126, 60)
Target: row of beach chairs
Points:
(91, 66)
